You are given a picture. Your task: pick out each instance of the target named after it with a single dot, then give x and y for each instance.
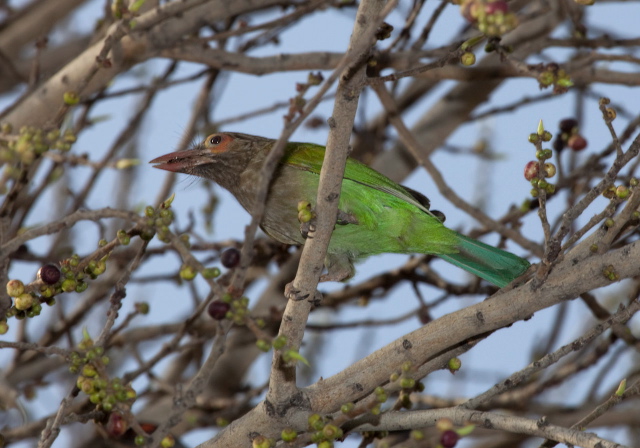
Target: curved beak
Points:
(182, 161)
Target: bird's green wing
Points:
(309, 157)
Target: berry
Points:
(495, 7)
(230, 258)
(49, 274)
(549, 169)
(531, 170)
(577, 142)
(15, 288)
(449, 438)
(23, 301)
(468, 58)
(218, 309)
(116, 426)
(454, 365)
(568, 125)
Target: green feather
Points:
(391, 220)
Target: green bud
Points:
(407, 383)
(315, 422)
(622, 192)
(332, 432)
(263, 346)
(288, 435)
(347, 408)
(468, 58)
(279, 342)
(123, 237)
(70, 98)
(454, 365)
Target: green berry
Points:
(187, 272)
(211, 272)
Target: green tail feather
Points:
(492, 264)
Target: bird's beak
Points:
(181, 161)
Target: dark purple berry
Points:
(568, 125)
(49, 274)
(449, 438)
(230, 258)
(218, 309)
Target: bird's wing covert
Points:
(309, 157)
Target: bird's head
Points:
(221, 157)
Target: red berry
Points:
(568, 125)
(577, 142)
(469, 10)
(449, 438)
(218, 309)
(230, 258)
(49, 274)
(116, 426)
(497, 6)
(531, 170)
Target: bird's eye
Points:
(215, 140)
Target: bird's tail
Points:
(492, 264)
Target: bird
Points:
(376, 215)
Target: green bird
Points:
(376, 215)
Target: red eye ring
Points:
(215, 140)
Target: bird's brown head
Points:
(221, 157)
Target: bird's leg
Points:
(292, 293)
(339, 268)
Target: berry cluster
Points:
(52, 280)
(569, 136)
(234, 309)
(93, 380)
(324, 431)
(492, 17)
(31, 143)
(552, 75)
(538, 171)
(158, 220)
